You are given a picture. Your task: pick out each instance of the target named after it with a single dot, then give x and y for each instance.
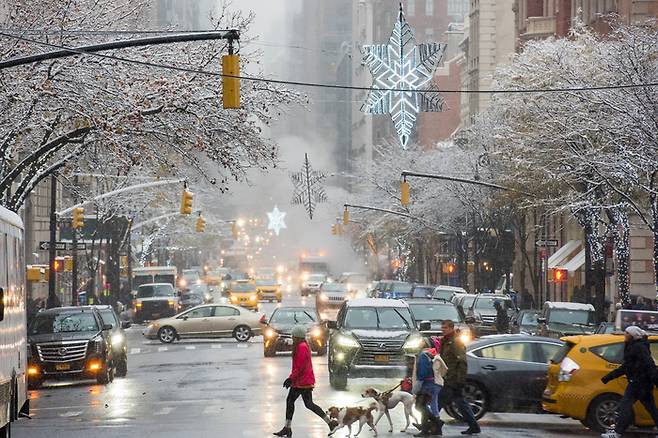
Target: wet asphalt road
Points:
(219, 388)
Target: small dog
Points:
(389, 400)
(349, 416)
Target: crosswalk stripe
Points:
(135, 350)
(163, 348)
(216, 346)
(243, 345)
(164, 411)
(68, 414)
(190, 347)
(209, 410)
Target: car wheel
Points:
(242, 333)
(5, 432)
(338, 380)
(476, 396)
(167, 334)
(602, 412)
(103, 378)
(122, 367)
(34, 383)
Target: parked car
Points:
(243, 293)
(277, 333)
(69, 343)
(435, 312)
(117, 338)
(155, 300)
(574, 386)
(370, 339)
(312, 284)
(484, 312)
(330, 299)
(525, 322)
(563, 319)
(208, 321)
(268, 289)
(506, 373)
(447, 292)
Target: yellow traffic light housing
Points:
(68, 264)
(78, 218)
(404, 193)
(230, 81)
(200, 224)
(58, 264)
(186, 202)
(346, 216)
(234, 230)
(334, 229)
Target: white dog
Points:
(389, 400)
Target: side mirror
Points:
(333, 325)
(185, 318)
(541, 320)
(107, 326)
(425, 326)
(126, 324)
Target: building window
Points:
(411, 8)
(429, 34)
(429, 8)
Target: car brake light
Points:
(568, 368)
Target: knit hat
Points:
(299, 331)
(635, 332)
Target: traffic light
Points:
(78, 218)
(346, 216)
(68, 264)
(200, 224)
(448, 268)
(404, 193)
(234, 230)
(58, 264)
(334, 229)
(557, 275)
(186, 202)
(231, 85)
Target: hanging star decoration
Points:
(309, 189)
(396, 67)
(276, 220)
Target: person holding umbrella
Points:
(301, 382)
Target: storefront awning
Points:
(576, 263)
(563, 255)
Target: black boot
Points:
(472, 430)
(286, 431)
(438, 431)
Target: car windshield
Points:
(435, 312)
(317, 278)
(50, 323)
(468, 301)
(191, 274)
(107, 315)
(269, 282)
(488, 303)
(529, 318)
(242, 287)
(381, 318)
(165, 278)
(199, 288)
(422, 291)
(402, 287)
(290, 316)
(443, 294)
(155, 290)
(192, 296)
(334, 288)
(139, 280)
(565, 316)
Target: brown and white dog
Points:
(349, 416)
(389, 400)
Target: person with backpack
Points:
(429, 372)
(640, 370)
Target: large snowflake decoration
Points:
(309, 190)
(277, 220)
(398, 66)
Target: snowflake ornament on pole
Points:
(398, 66)
(309, 190)
(277, 220)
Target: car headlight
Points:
(347, 341)
(465, 337)
(222, 284)
(323, 297)
(234, 299)
(117, 339)
(207, 297)
(349, 286)
(414, 342)
(253, 298)
(316, 332)
(270, 333)
(172, 303)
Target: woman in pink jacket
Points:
(301, 382)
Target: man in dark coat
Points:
(502, 318)
(640, 370)
(453, 353)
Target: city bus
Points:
(13, 322)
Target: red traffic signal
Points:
(58, 264)
(557, 275)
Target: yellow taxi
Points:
(574, 388)
(243, 293)
(269, 289)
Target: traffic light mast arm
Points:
(120, 191)
(155, 219)
(230, 35)
(396, 213)
(405, 174)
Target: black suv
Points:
(277, 333)
(370, 338)
(69, 343)
(484, 312)
(117, 338)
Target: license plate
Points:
(63, 367)
(381, 358)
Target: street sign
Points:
(62, 246)
(548, 242)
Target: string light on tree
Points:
(276, 220)
(398, 66)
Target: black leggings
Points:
(307, 396)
